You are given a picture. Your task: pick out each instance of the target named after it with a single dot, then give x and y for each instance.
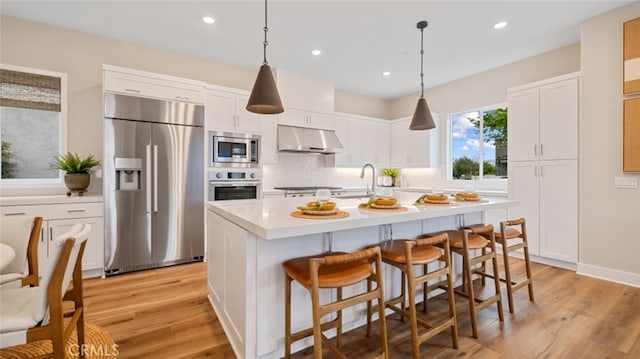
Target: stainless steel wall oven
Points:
(234, 183)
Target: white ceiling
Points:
(359, 39)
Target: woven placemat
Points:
(399, 209)
(98, 345)
(339, 214)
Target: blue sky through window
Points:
(465, 139)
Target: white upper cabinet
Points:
(146, 84)
(226, 111)
(364, 141)
(543, 120)
(413, 148)
(324, 121)
(269, 140)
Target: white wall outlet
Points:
(626, 182)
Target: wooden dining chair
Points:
(22, 234)
(30, 314)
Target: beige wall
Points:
(349, 102)
(490, 87)
(608, 216)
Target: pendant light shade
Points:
(265, 98)
(422, 119)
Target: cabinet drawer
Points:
(150, 87)
(57, 211)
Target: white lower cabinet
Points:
(548, 196)
(57, 219)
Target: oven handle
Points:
(232, 184)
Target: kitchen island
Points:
(247, 240)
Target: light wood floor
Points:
(164, 313)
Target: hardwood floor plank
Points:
(165, 313)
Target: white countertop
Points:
(271, 218)
(48, 199)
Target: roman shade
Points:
(30, 91)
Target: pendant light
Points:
(422, 119)
(264, 97)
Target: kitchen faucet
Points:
(373, 178)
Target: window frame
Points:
(13, 185)
(481, 182)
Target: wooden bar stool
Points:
(465, 242)
(335, 270)
(507, 234)
(405, 255)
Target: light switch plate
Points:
(626, 182)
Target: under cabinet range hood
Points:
(309, 140)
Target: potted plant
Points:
(392, 174)
(77, 177)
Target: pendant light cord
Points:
(266, 29)
(421, 62)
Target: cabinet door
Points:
(93, 257)
(409, 148)
(322, 121)
(293, 118)
(269, 140)
(248, 121)
(219, 111)
(152, 87)
(344, 158)
(375, 143)
(559, 210)
(523, 187)
(350, 132)
(43, 248)
(558, 120)
(399, 144)
(523, 123)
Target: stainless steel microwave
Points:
(228, 149)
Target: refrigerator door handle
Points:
(148, 179)
(155, 178)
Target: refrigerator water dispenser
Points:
(128, 174)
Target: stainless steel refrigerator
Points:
(153, 183)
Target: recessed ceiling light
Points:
(500, 25)
(386, 73)
(208, 19)
(316, 52)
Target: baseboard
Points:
(612, 275)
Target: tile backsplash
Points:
(299, 169)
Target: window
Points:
(479, 144)
(32, 124)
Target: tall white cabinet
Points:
(543, 165)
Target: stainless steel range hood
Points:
(310, 140)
